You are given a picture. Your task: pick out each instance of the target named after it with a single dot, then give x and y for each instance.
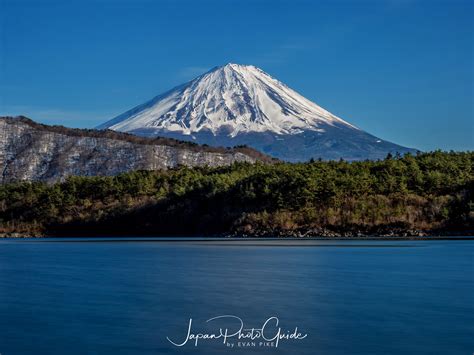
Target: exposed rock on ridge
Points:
(31, 151)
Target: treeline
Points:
(427, 193)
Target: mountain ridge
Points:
(37, 152)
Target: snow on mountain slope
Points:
(239, 98)
(241, 104)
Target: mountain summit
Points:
(241, 104)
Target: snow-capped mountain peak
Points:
(232, 99)
(242, 105)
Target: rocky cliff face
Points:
(30, 151)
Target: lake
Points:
(123, 296)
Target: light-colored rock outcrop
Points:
(29, 151)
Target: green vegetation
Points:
(431, 193)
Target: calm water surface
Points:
(126, 297)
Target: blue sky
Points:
(400, 69)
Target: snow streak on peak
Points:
(231, 99)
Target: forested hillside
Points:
(428, 193)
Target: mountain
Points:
(242, 105)
(32, 151)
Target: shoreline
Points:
(241, 237)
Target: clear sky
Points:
(400, 69)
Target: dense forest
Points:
(431, 193)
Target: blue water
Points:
(127, 297)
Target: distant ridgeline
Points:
(32, 151)
(412, 195)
